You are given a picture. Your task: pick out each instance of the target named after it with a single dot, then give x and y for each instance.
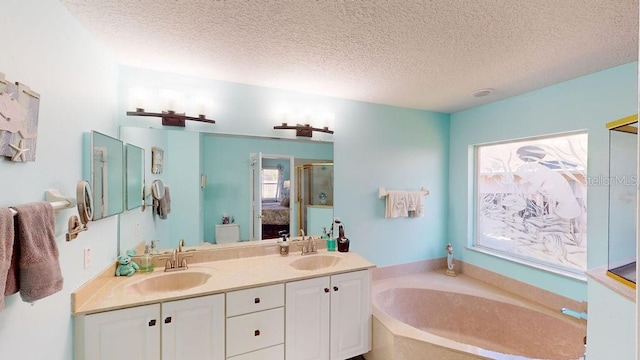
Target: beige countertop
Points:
(600, 275)
(110, 292)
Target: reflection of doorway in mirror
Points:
(270, 185)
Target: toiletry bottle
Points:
(146, 263)
(284, 245)
(331, 242)
(325, 237)
(343, 241)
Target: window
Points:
(531, 198)
(270, 184)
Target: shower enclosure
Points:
(315, 197)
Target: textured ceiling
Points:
(419, 54)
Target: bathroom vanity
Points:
(263, 307)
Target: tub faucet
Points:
(575, 314)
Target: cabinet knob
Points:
(335, 288)
(326, 290)
(256, 333)
(152, 322)
(256, 300)
(167, 320)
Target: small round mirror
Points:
(157, 189)
(85, 201)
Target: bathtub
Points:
(433, 316)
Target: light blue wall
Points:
(398, 149)
(585, 103)
(45, 48)
(183, 177)
(611, 327)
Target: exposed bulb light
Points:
(482, 92)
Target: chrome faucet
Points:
(178, 260)
(310, 248)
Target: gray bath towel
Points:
(164, 205)
(6, 249)
(38, 271)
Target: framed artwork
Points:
(18, 121)
(156, 160)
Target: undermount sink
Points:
(315, 262)
(166, 282)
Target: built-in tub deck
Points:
(433, 316)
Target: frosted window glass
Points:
(531, 198)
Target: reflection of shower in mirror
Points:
(315, 196)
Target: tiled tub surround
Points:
(433, 316)
(108, 292)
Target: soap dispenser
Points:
(146, 263)
(331, 242)
(283, 244)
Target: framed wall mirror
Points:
(134, 176)
(199, 206)
(104, 169)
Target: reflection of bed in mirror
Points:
(275, 217)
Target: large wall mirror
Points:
(104, 169)
(229, 188)
(134, 176)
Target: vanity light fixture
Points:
(171, 118)
(305, 130)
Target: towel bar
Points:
(382, 192)
(57, 200)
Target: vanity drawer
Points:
(272, 353)
(254, 299)
(255, 331)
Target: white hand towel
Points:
(416, 203)
(397, 204)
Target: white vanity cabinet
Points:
(133, 333)
(255, 323)
(193, 329)
(329, 317)
(187, 329)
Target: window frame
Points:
(263, 183)
(473, 210)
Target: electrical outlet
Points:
(87, 257)
(137, 230)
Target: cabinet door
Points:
(193, 329)
(350, 314)
(134, 332)
(307, 319)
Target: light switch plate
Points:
(87, 257)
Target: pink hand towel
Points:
(38, 270)
(6, 249)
